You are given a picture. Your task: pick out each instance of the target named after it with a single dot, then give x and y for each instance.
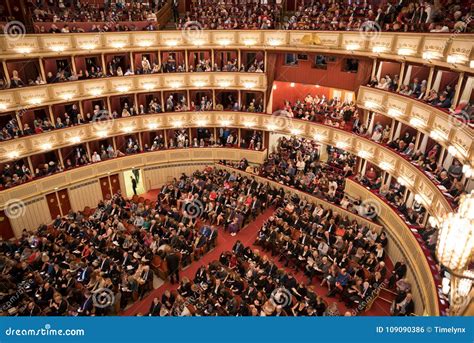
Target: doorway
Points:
(129, 176)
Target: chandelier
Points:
(454, 251)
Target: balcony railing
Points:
(452, 133)
(31, 97)
(416, 180)
(446, 50)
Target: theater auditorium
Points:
(236, 158)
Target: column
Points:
(402, 73)
(30, 165)
(392, 129)
(51, 115)
(73, 64)
(132, 62)
(186, 60)
(61, 161)
(5, 71)
(41, 65)
(374, 68)
(104, 65)
(430, 79)
(457, 90)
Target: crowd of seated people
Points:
(333, 112)
(242, 283)
(450, 178)
(72, 116)
(231, 14)
(17, 172)
(115, 67)
(111, 16)
(116, 245)
(407, 16)
(418, 89)
(295, 162)
(345, 256)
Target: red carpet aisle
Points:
(224, 242)
(247, 236)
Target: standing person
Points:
(172, 259)
(134, 185)
(136, 174)
(175, 5)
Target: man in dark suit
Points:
(155, 308)
(238, 248)
(172, 259)
(134, 185)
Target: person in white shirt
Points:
(96, 157)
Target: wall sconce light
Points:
(46, 146)
(224, 84)
(118, 45)
(224, 42)
(249, 42)
(352, 47)
(23, 50)
(364, 154)
(295, 131)
(249, 85)
(145, 43)
(95, 91)
(88, 46)
(35, 101)
(57, 48)
(67, 96)
(379, 49)
(394, 112)
(148, 86)
(417, 122)
(274, 42)
(405, 51)
(386, 166)
(123, 89)
(75, 140)
(13, 154)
